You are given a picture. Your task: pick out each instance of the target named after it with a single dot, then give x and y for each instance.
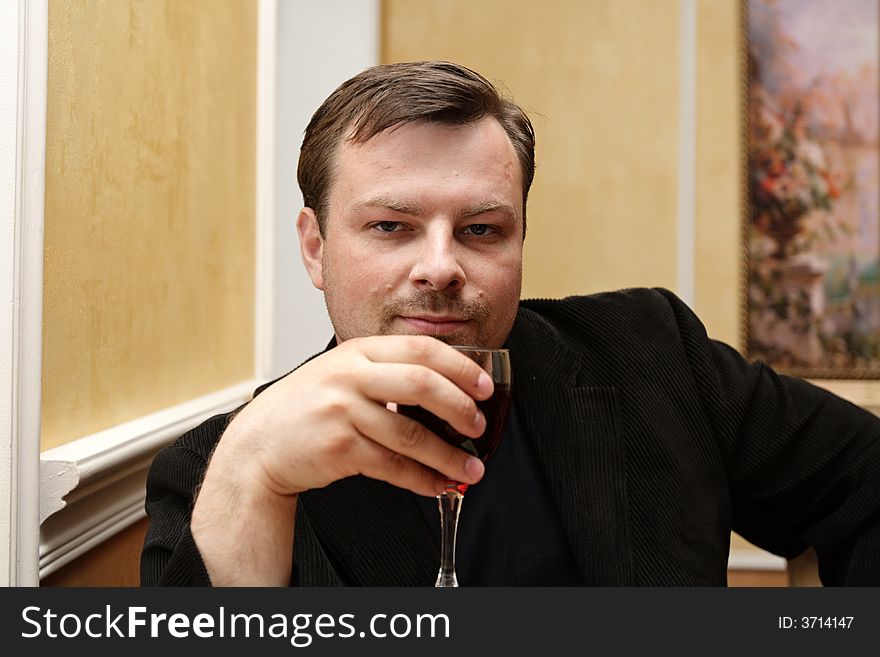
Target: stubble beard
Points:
(439, 303)
(481, 330)
(484, 328)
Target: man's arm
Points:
(243, 530)
(170, 556)
(803, 465)
(326, 421)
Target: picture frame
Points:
(811, 179)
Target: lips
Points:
(435, 325)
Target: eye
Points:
(388, 226)
(478, 229)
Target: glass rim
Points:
(460, 347)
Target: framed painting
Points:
(811, 232)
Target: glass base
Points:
(446, 580)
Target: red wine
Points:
(495, 410)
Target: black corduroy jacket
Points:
(655, 442)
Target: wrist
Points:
(243, 530)
(241, 457)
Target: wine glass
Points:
(496, 362)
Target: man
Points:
(635, 443)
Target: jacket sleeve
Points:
(803, 465)
(170, 556)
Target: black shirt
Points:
(509, 532)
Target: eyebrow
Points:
(416, 210)
(388, 203)
(490, 206)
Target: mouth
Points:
(435, 325)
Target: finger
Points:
(413, 440)
(378, 462)
(430, 352)
(416, 385)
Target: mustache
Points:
(435, 303)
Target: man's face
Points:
(423, 235)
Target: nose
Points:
(437, 266)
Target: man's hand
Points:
(325, 421)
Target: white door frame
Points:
(23, 65)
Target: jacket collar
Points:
(575, 435)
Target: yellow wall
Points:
(719, 204)
(600, 81)
(149, 226)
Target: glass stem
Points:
(450, 506)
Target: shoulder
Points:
(640, 312)
(618, 301)
(191, 451)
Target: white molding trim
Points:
(687, 152)
(264, 256)
(93, 487)
(23, 110)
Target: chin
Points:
(460, 340)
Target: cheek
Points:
(363, 278)
(350, 265)
(501, 280)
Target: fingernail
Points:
(484, 382)
(474, 468)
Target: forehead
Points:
(475, 159)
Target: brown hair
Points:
(384, 96)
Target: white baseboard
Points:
(93, 487)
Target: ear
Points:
(311, 245)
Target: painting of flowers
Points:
(812, 225)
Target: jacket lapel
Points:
(575, 433)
